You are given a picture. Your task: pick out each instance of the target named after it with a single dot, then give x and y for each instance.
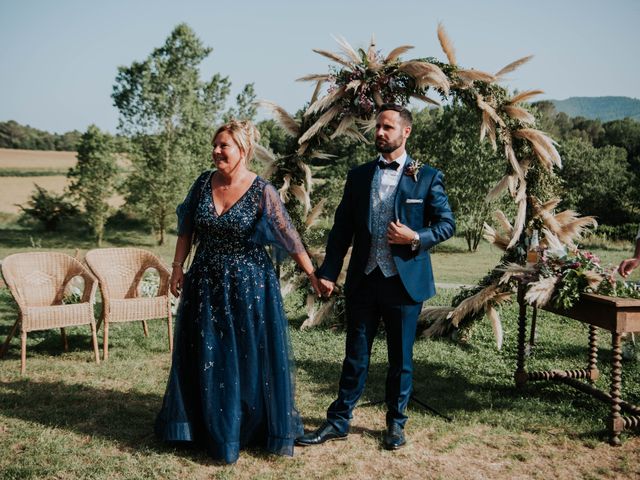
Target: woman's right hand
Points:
(176, 280)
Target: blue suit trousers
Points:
(377, 297)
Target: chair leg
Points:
(94, 340)
(65, 342)
(23, 353)
(106, 340)
(145, 328)
(12, 332)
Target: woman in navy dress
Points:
(231, 381)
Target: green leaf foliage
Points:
(596, 181)
(94, 178)
(14, 135)
(49, 208)
(448, 140)
(170, 115)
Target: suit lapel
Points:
(368, 174)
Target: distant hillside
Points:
(604, 109)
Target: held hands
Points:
(315, 284)
(176, 280)
(326, 287)
(628, 265)
(399, 233)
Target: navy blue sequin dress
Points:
(231, 381)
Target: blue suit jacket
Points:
(423, 206)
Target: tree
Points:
(596, 181)
(170, 115)
(626, 134)
(49, 208)
(245, 108)
(93, 178)
(448, 140)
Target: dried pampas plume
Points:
(347, 49)
(512, 66)
(335, 57)
(426, 74)
(325, 101)
(524, 96)
(519, 113)
(473, 304)
(539, 293)
(467, 77)
(286, 121)
(315, 213)
(446, 44)
(316, 315)
(438, 320)
(396, 52)
(542, 145)
(496, 324)
(324, 120)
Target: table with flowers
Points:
(618, 315)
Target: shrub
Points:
(49, 208)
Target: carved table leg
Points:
(616, 422)
(521, 376)
(594, 373)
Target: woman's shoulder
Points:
(206, 173)
(263, 183)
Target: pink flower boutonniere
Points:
(412, 168)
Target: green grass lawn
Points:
(69, 418)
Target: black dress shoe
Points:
(394, 437)
(325, 433)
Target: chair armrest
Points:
(90, 287)
(163, 273)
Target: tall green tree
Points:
(448, 139)
(170, 114)
(245, 107)
(596, 181)
(93, 179)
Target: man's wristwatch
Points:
(415, 243)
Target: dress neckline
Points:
(213, 201)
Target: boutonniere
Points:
(412, 169)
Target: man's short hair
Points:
(405, 114)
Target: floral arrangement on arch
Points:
(365, 79)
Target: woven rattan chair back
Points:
(37, 281)
(120, 271)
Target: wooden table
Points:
(617, 315)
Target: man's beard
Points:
(388, 147)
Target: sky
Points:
(59, 59)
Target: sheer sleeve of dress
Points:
(274, 226)
(187, 208)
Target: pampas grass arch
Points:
(363, 80)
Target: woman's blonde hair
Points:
(244, 133)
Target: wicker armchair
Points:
(120, 271)
(37, 281)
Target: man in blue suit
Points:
(392, 211)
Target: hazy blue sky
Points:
(59, 58)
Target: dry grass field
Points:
(16, 190)
(35, 159)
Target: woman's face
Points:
(227, 155)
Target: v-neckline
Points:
(213, 200)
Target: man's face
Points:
(391, 132)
